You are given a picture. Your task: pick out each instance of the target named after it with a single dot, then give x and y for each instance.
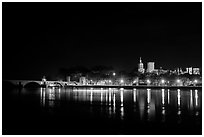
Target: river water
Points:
(102, 111)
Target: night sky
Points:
(40, 38)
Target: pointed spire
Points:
(140, 60)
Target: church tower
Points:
(141, 66)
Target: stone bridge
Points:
(40, 83)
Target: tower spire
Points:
(140, 66)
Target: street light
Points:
(178, 80)
(114, 77)
(148, 81)
(162, 81)
(195, 81)
(121, 81)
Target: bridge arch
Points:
(32, 84)
(58, 83)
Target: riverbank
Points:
(132, 87)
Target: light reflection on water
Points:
(136, 111)
(146, 102)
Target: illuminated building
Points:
(150, 67)
(82, 80)
(136, 81)
(43, 79)
(181, 71)
(190, 70)
(196, 71)
(141, 67)
(68, 78)
(162, 71)
(155, 71)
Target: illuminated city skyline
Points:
(102, 68)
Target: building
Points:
(150, 67)
(156, 71)
(68, 79)
(82, 80)
(196, 71)
(189, 70)
(141, 66)
(180, 71)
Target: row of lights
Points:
(162, 81)
(178, 81)
(148, 81)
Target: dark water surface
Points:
(102, 111)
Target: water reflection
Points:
(168, 97)
(179, 101)
(121, 100)
(91, 96)
(163, 99)
(134, 95)
(118, 103)
(42, 95)
(196, 98)
(191, 100)
(148, 103)
(101, 98)
(106, 98)
(114, 105)
(163, 106)
(148, 97)
(196, 103)
(109, 97)
(142, 103)
(134, 99)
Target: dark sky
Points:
(40, 38)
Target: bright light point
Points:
(114, 74)
(121, 81)
(162, 81)
(178, 80)
(110, 81)
(195, 80)
(179, 112)
(148, 81)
